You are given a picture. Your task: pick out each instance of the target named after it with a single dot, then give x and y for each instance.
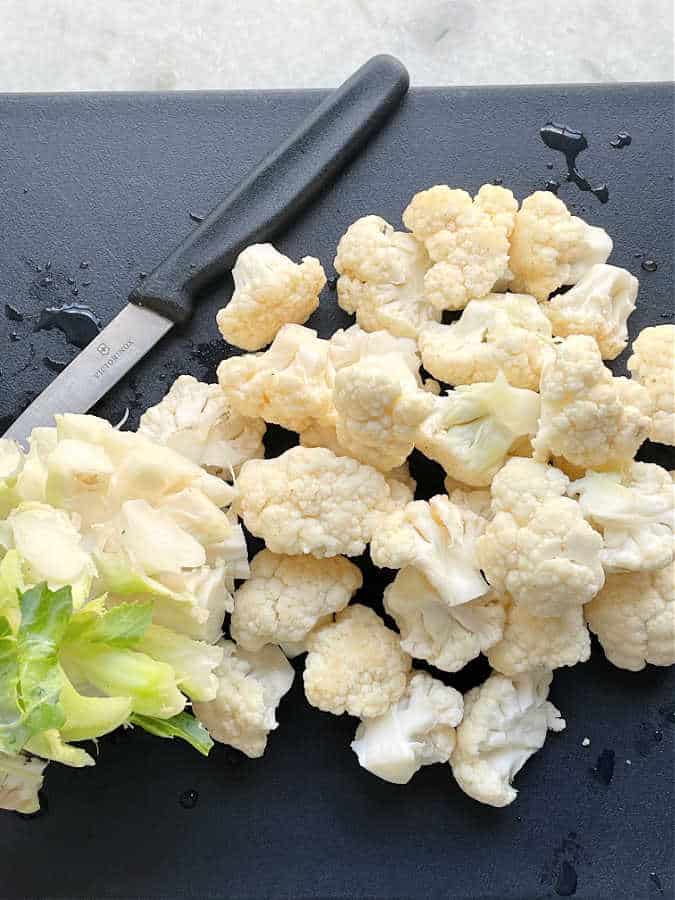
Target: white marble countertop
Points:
(224, 44)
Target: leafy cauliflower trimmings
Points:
(468, 241)
(250, 687)
(447, 636)
(598, 305)
(290, 384)
(538, 547)
(473, 429)
(506, 333)
(195, 419)
(270, 291)
(439, 540)
(286, 596)
(551, 248)
(21, 779)
(505, 722)
(382, 278)
(312, 501)
(653, 366)
(589, 418)
(635, 514)
(634, 618)
(355, 665)
(418, 730)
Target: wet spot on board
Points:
(604, 767)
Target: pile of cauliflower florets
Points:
(548, 526)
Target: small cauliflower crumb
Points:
(634, 618)
(291, 384)
(382, 278)
(418, 730)
(355, 665)
(312, 501)
(286, 596)
(196, 420)
(586, 742)
(598, 305)
(505, 722)
(506, 333)
(653, 366)
(250, 687)
(589, 418)
(467, 240)
(551, 248)
(270, 291)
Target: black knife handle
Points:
(272, 194)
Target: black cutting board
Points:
(101, 186)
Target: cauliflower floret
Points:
(506, 333)
(447, 636)
(382, 278)
(286, 596)
(477, 500)
(598, 305)
(418, 730)
(250, 687)
(196, 420)
(634, 618)
(291, 384)
(472, 429)
(634, 513)
(522, 485)
(352, 345)
(467, 240)
(21, 779)
(653, 366)
(355, 665)
(379, 407)
(439, 540)
(551, 248)
(589, 418)
(505, 722)
(311, 501)
(270, 291)
(532, 642)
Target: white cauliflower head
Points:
(634, 618)
(472, 429)
(653, 366)
(505, 722)
(195, 419)
(418, 730)
(382, 278)
(447, 636)
(250, 687)
(538, 547)
(286, 596)
(312, 501)
(355, 665)
(270, 291)
(533, 642)
(551, 248)
(439, 540)
(467, 240)
(635, 514)
(506, 333)
(290, 384)
(589, 418)
(599, 305)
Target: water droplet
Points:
(195, 217)
(658, 735)
(75, 291)
(13, 314)
(571, 143)
(332, 282)
(498, 181)
(188, 799)
(84, 264)
(25, 190)
(649, 265)
(656, 881)
(48, 265)
(566, 885)
(13, 336)
(47, 281)
(77, 322)
(638, 255)
(70, 280)
(142, 275)
(552, 185)
(604, 767)
(38, 268)
(549, 165)
(623, 139)
(56, 365)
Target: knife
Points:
(262, 204)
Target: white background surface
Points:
(224, 44)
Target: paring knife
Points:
(261, 205)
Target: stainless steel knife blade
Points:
(95, 370)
